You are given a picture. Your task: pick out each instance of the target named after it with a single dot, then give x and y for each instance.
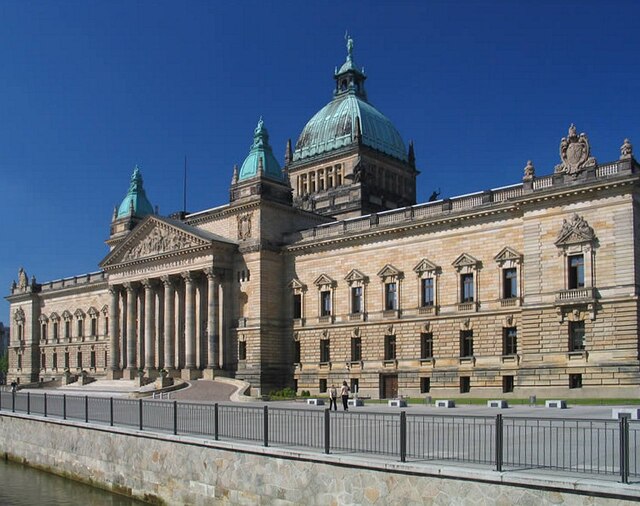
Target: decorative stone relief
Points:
(426, 327)
(465, 324)
(18, 315)
(575, 231)
(574, 153)
(508, 321)
(356, 332)
(160, 241)
(244, 226)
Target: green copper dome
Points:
(336, 124)
(136, 202)
(260, 159)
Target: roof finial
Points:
(411, 156)
(349, 45)
(288, 153)
(234, 178)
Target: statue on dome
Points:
(349, 46)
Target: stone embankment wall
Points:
(184, 470)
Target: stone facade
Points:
(530, 289)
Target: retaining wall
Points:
(167, 469)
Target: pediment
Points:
(355, 275)
(296, 284)
(575, 231)
(156, 237)
(324, 280)
(79, 313)
(425, 266)
(465, 260)
(507, 254)
(389, 271)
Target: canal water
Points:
(24, 486)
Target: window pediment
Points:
(575, 231)
(324, 280)
(67, 315)
(296, 284)
(355, 276)
(466, 261)
(508, 254)
(92, 311)
(43, 318)
(54, 316)
(425, 266)
(79, 313)
(389, 271)
(105, 310)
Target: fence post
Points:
(266, 425)
(64, 406)
(45, 405)
(175, 418)
(111, 411)
(86, 409)
(499, 443)
(140, 412)
(327, 431)
(624, 447)
(13, 402)
(403, 436)
(215, 422)
(28, 403)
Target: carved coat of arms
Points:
(574, 153)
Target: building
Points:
(327, 270)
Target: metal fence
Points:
(593, 447)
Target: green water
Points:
(24, 486)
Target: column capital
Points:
(114, 289)
(211, 273)
(167, 281)
(187, 276)
(148, 283)
(128, 286)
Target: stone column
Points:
(212, 320)
(169, 323)
(189, 322)
(221, 323)
(149, 327)
(131, 329)
(114, 337)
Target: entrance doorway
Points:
(389, 386)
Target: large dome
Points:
(334, 127)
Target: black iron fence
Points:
(594, 447)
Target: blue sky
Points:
(90, 88)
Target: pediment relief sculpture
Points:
(465, 260)
(575, 153)
(575, 231)
(355, 275)
(160, 240)
(389, 271)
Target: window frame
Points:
(509, 342)
(466, 343)
(390, 347)
(577, 331)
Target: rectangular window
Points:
(576, 271)
(509, 283)
(428, 295)
(43, 361)
(55, 330)
(19, 361)
(389, 347)
(425, 385)
(390, 296)
(322, 386)
(576, 336)
(325, 350)
(297, 305)
(467, 288)
(509, 341)
(356, 299)
(94, 327)
(325, 303)
(465, 384)
(67, 329)
(356, 349)
(80, 328)
(575, 380)
(92, 364)
(106, 326)
(20, 332)
(466, 343)
(54, 361)
(296, 352)
(507, 384)
(43, 331)
(66, 360)
(79, 359)
(242, 350)
(426, 345)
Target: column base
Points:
(210, 373)
(190, 374)
(130, 374)
(114, 374)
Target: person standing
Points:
(344, 392)
(333, 398)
